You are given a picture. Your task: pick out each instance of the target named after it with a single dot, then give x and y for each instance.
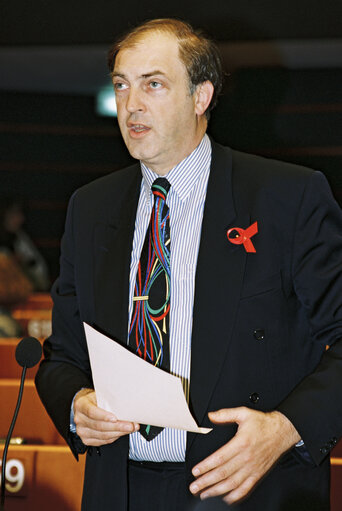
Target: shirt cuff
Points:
(72, 422)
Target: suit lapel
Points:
(219, 276)
(112, 247)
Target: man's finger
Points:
(92, 440)
(223, 472)
(225, 485)
(226, 453)
(87, 408)
(102, 426)
(240, 492)
(85, 432)
(95, 437)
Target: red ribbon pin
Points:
(243, 236)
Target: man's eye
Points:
(119, 86)
(155, 85)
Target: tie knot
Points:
(160, 187)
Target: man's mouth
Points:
(138, 130)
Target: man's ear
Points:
(203, 94)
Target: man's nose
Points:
(134, 101)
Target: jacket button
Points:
(254, 398)
(334, 440)
(324, 450)
(259, 334)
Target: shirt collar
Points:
(185, 174)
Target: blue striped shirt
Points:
(186, 200)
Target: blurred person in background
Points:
(15, 241)
(15, 287)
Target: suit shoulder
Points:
(264, 170)
(101, 198)
(257, 178)
(109, 184)
(281, 185)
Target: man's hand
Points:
(234, 469)
(96, 426)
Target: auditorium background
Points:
(282, 98)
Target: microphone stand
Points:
(8, 439)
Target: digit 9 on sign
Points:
(15, 475)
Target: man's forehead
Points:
(154, 50)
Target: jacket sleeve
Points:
(315, 405)
(65, 368)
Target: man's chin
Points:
(139, 151)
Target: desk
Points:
(43, 478)
(33, 422)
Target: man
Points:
(255, 281)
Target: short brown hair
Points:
(197, 52)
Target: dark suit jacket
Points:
(261, 320)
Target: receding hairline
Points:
(117, 71)
(139, 38)
(176, 28)
(179, 30)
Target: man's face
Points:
(156, 113)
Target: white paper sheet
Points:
(135, 390)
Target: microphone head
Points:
(28, 352)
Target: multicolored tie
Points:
(149, 329)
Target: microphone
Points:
(27, 354)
